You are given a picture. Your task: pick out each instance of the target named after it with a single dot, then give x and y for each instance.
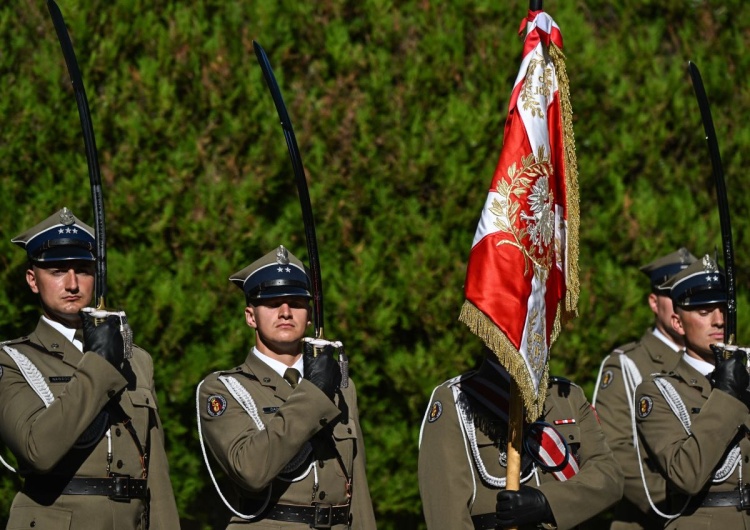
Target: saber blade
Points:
(299, 177)
(730, 327)
(100, 283)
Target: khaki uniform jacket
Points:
(650, 355)
(688, 461)
(253, 459)
(42, 439)
(452, 489)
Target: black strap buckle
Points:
(120, 487)
(323, 515)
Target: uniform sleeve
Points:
(253, 457)
(40, 437)
(162, 508)
(613, 407)
(363, 516)
(688, 461)
(446, 482)
(599, 482)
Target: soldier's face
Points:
(279, 323)
(64, 287)
(700, 327)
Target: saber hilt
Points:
(318, 345)
(100, 315)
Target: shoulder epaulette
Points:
(238, 371)
(459, 378)
(626, 347)
(558, 380)
(563, 385)
(14, 341)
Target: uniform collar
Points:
(68, 333)
(665, 339)
(54, 342)
(278, 366)
(266, 375)
(692, 377)
(701, 366)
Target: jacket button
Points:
(54, 346)
(322, 495)
(266, 379)
(119, 464)
(118, 432)
(111, 394)
(349, 430)
(323, 421)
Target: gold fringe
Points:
(509, 357)
(572, 280)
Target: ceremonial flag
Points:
(522, 277)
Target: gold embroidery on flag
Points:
(530, 180)
(530, 90)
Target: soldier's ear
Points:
(677, 324)
(31, 280)
(250, 317)
(653, 303)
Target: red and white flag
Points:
(522, 276)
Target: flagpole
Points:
(515, 414)
(515, 435)
(515, 438)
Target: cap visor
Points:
(65, 254)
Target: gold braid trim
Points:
(572, 281)
(509, 357)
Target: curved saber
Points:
(95, 179)
(730, 328)
(299, 177)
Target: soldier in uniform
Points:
(280, 425)
(620, 373)
(81, 420)
(462, 457)
(693, 419)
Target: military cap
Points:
(662, 269)
(60, 237)
(278, 273)
(702, 283)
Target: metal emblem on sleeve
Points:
(645, 406)
(216, 405)
(436, 410)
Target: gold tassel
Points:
(509, 357)
(572, 280)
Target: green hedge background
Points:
(398, 108)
